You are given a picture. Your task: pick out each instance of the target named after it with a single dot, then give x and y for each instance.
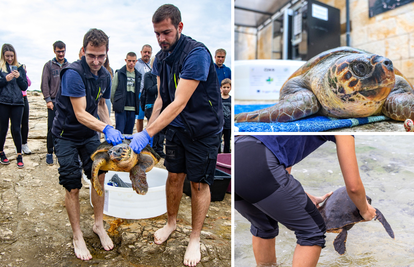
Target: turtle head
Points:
(120, 152)
(362, 77)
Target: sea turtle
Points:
(343, 83)
(340, 215)
(122, 158)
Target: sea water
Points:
(386, 165)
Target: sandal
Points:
(19, 161)
(4, 159)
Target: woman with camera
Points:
(12, 82)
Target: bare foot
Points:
(162, 234)
(81, 251)
(106, 241)
(192, 254)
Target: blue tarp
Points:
(313, 123)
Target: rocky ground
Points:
(35, 231)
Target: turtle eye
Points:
(360, 69)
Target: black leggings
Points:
(25, 121)
(14, 113)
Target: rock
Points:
(129, 238)
(5, 234)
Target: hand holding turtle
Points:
(318, 200)
(139, 141)
(112, 136)
(369, 214)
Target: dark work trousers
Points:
(49, 140)
(14, 113)
(25, 121)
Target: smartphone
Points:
(13, 68)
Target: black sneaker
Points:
(4, 159)
(20, 161)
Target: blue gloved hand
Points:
(139, 141)
(112, 136)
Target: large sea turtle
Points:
(343, 83)
(122, 158)
(340, 215)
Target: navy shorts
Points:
(68, 153)
(195, 158)
(266, 194)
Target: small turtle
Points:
(343, 83)
(122, 158)
(340, 215)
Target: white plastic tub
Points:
(261, 79)
(125, 203)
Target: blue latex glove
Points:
(139, 141)
(112, 136)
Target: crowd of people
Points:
(135, 76)
(182, 92)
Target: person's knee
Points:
(72, 193)
(176, 179)
(197, 188)
(311, 239)
(269, 233)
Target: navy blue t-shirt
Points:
(290, 149)
(195, 67)
(73, 86)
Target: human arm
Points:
(318, 200)
(345, 145)
(159, 121)
(45, 85)
(3, 80)
(114, 86)
(21, 80)
(184, 91)
(87, 119)
(112, 136)
(103, 112)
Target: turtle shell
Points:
(339, 211)
(105, 147)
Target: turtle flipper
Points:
(139, 179)
(384, 223)
(399, 104)
(97, 163)
(340, 241)
(292, 107)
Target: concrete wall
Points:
(265, 43)
(390, 34)
(244, 43)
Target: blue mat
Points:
(313, 123)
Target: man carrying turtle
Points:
(189, 105)
(80, 99)
(267, 194)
